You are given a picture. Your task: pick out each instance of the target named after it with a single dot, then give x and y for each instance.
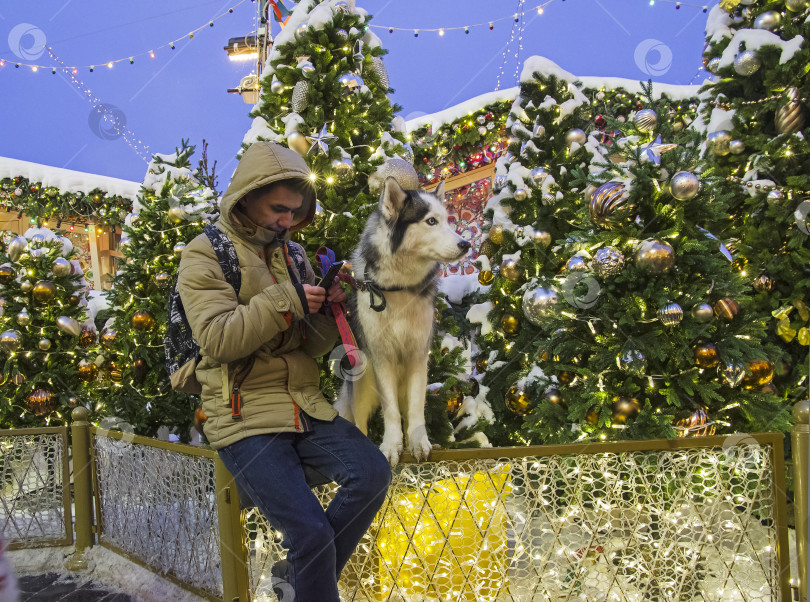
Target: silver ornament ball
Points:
(539, 303)
(655, 256)
(702, 313)
(577, 263)
(732, 373)
(178, 249)
(62, 267)
(521, 194)
(775, 196)
(632, 361)
(769, 20)
(736, 147)
(671, 314)
(575, 135)
(276, 87)
(344, 169)
(17, 247)
(23, 318)
(608, 261)
(747, 63)
(537, 176)
(718, 142)
(350, 83)
(713, 66)
(539, 130)
(298, 142)
(684, 186)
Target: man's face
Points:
(274, 209)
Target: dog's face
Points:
(418, 226)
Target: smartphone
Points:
(329, 278)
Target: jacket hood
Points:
(261, 164)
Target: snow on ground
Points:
(106, 568)
(66, 180)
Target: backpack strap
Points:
(226, 255)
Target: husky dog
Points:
(397, 263)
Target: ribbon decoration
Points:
(280, 11)
(325, 257)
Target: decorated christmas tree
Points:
(755, 120)
(172, 209)
(324, 94)
(47, 344)
(614, 312)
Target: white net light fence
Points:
(32, 469)
(160, 507)
(662, 525)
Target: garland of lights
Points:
(110, 63)
(540, 8)
(43, 204)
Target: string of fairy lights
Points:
(517, 17)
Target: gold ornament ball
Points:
(554, 396)
(26, 286)
(23, 318)
(142, 320)
(108, 338)
(10, 340)
(763, 283)
(592, 416)
(510, 269)
(696, 424)
(705, 355)
(75, 299)
(162, 279)
(726, 308)
(177, 215)
(6, 274)
(87, 337)
(44, 291)
(88, 371)
(610, 205)
(496, 234)
(758, 373)
(69, 325)
(179, 248)
(517, 402)
(510, 324)
(521, 194)
(73, 401)
(655, 256)
(624, 409)
(115, 372)
(481, 364)
(486, 277)
(42, 402)
(541, 238)
(796, 6)
(566, 377)
(298, 142)
(44, 344)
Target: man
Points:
(266, 415)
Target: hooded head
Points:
(264, 164)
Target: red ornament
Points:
(456, 146)
(488, 116)
(639, 105)
(599, 121)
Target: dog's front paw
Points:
(392, 450)
(419, 444)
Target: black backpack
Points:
(182, 351)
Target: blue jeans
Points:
(270, 468)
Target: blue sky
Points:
(181, 93)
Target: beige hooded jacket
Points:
(267, 321)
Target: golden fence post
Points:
(799, 438)
(82, 488)
(231, 538)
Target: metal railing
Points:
(701, 518)
(35, 497)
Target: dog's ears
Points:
(439, 191)
(392, 199)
